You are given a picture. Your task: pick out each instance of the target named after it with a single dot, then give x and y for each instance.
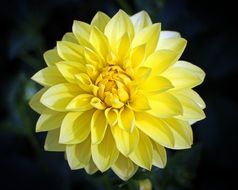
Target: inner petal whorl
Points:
(112, 86)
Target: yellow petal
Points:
(191, 110)
(70, 51)
(100, 20)
(139, 103)
(122, 91)
(99, 42)
(92, 71)
(48, 76)
(141, 74)
(165, 105)
(124, 167)
(51, 57)
(141, 20)
(156, 84)
(78, 155)
(182, 132)
(126, 142)
(84, 82)
(111, 115)
(35, 103)
(142, 154)
(98, 126)
(58, 97)
(70, 37)
(52, 141)
(123, 47)
(105, 154)
(91, 168)
(119, 24)
(194, 96)
(148, 36)
(68, 71)
(168, 34)
(49, 120)
(159, 155)
(82, 31)
(80, 103)
(191, 67)
(126, 119)
(113, 100)
(80, 66)
(97, 103)
(75, 127)
(93, 58)
(175, 44)
(160, 61)
(155, 128)
(137, 55)
(184, 75)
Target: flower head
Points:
(115, 95)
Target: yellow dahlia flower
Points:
(115, 95)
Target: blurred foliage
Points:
(31, 27)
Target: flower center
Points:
(112, 85)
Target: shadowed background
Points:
(28, 28)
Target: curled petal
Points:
(137, 55)
(100, 20)
(52, 141)
(48, 76)
(99, 42)
(98, 126)
(70, 51)
(84, 82)
(182, 132)
(125, 141)
(142, 154)
(175, 44)
(160, 61)
(189, 93)
(35, 103)
(155, 128)
(124, 167)
(70, 37)
(148, 36)
(191, 110)
(51, 57)
(80, 103)
(68, 71)
(97, 103)
(82, 31)
(118, 26)
(111, 115)
(49, 120)
(155, 85)
(159, 155)
(105, 154)
(168, 34)
(126, 119)
(165, 105)
(91, 168)
(184, 75)
(75, 127)
(58, 97)
(141, 20)
(78, 155)
(140, 103)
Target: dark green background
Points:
(28, 28)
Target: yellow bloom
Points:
(115, 95)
